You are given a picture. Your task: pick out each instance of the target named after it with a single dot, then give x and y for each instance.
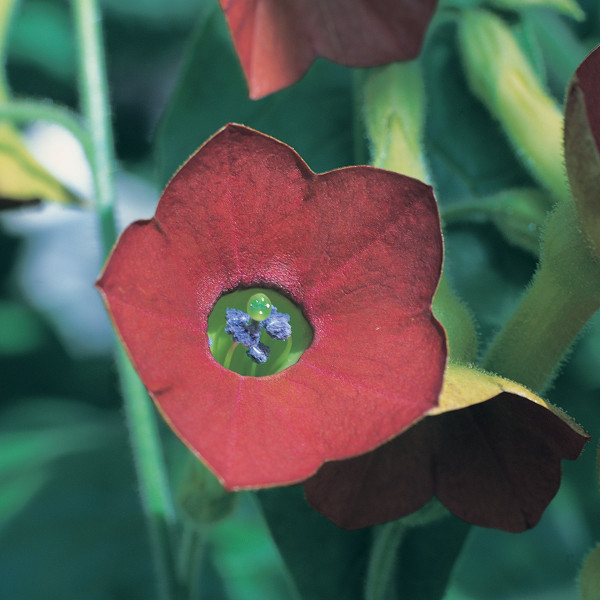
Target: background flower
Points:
(276, 42)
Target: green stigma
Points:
(259, 307)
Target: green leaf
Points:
(467, 151)
(156, 10)
(324, 560)
(427, 558)
(314, 116)
(518, 213)
(22, 330)
(71, 520)
(589, 579)
(42, 36)
(570, 8)
(22, 178)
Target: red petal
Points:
(587, 79)
(277, 41)
(582, 146)
(494, 464)
(359, 249)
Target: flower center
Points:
(250, 332)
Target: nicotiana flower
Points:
(490, 452)
(357, 250)
(277, 41)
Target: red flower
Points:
(490, 452)
(277, 41)
(358, 249)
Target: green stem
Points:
(94, 96)
(190, 559)
(143, 429)
(564, 294)
(563, 52)
(23, 111)
(530, 346)
(382, 562)
(197, 556)
(151, 472)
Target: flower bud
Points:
(394, 102)
(500, 75)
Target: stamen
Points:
(242, 328)
(259, 353)
(278, 325)
(245, 330)
(230, 327)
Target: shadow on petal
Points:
(494, 462)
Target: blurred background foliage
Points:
(70, 520)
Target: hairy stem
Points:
(143, 429)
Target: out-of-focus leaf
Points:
(314, 116)
(518, 213)
(246, 557)
(427, 558)
(566, 7)
(324, 560)
(79, 527)
(589, 578)
(156, 10)
(43, 36)
(21, 329)
(561, 48)
(27, 450)
(22, 179)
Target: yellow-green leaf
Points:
(590, 576)
(22, 178)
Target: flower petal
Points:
(358, 249)
(277, 41)
(490, 452)
(582, 145)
